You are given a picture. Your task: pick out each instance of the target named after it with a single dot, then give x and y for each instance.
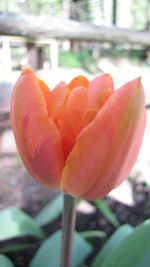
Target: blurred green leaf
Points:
(50, 212)
(5, 262)
(69, 59)
(134, 250)
(107, 212)
(16, 223)
(17, 247)
(49, 252)
(112, 244)
(91, 234)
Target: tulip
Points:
(83, 137)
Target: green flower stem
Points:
(68, 225)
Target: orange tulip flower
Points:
(82, 138)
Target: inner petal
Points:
(78, 102)
(100, 88)
(103, 96)
(72, 120)
(57, 99)
(78, 81)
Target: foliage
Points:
(106, 211)
(69, 59)
(49, 252)
(111, 245)
(16, 223)
(51, 7)
(130, 249)
(80, 59)
(126, 240)
(5, 262)
(44, 6)
(135, 55)
(50, 212)
(139, 11)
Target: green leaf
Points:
(50, 212)
(5, 262)
(91, 234)
(49, 252)
(133, 251)
(112, 244)
(16, 247)
(107, 212)
(16, 223)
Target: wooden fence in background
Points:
(36, 27)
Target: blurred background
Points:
(59, 39)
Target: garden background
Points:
(59, 39)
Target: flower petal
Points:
(71, 120)
(77, 103)
(37, 137)
(105, 150)
(123, 171)
(100, 89)
(78, 81)
(44, 88)
(57, 99)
